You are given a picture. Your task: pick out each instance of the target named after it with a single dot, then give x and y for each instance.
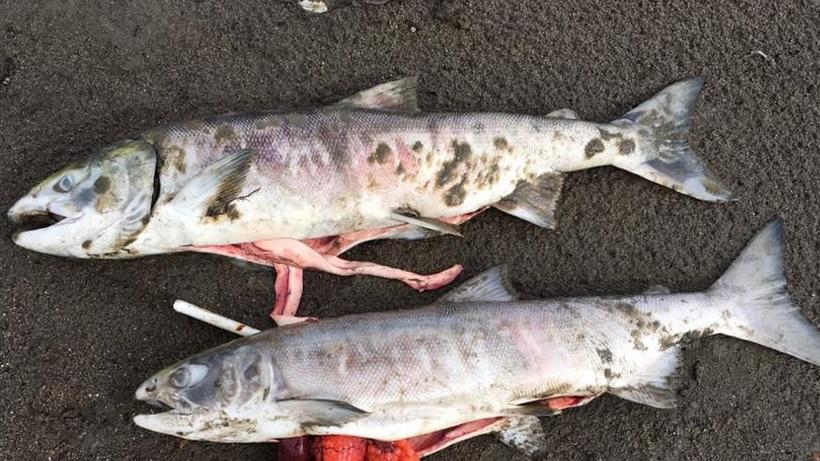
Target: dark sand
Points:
(79, 336)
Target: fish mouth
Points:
(174, 420)
(34, 220)
(37, 229)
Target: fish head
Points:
(216, 396)
(91, 209)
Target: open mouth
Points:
(36, 220)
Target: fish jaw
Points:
(57, 239)
(217, 426)
(209, 424)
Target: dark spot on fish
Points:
(455, 195)
(239, 327)
(667, 341)
(418, 146)
(478, 128)
(461, 152)
(750, 332)
(607, 373)
(636, 340)
(380, 155)
(626, 147)
(400, 169)
(593, 148)
(654, 325)
(501, 143)
(194, 125)
(334, 138)
(174, 157)
(102, 185)
(580, 336)
(265, 393)
(605, 355)
(224, 134)
(627, 308)
(270, 121)
(87, 244)
(296, 119)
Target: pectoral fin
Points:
(426, 223)
(534, 201)
(318, 412)
(212, 192)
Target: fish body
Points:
(370, 161)
(330, 172)
(295, 190)
(479, 355)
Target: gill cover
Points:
(101, 205)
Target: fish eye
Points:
(180, 377)
(64, 184)
(188, 375)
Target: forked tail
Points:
(663, 154)
(751, 303)
(761, 309)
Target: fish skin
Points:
(293, 190)
(330, 172)
(353, 166)
(403, 374)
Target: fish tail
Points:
(759, 308)
(661, 153)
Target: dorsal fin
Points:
(398, 96)
(491, 285)
(657, 290)
(568, 114)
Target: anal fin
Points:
(657, 383)
(535, 202)
(524, 433)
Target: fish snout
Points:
(147, 391)
(25, 207)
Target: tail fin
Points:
(762, 310)
(665, 157)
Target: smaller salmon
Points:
(478, 361)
